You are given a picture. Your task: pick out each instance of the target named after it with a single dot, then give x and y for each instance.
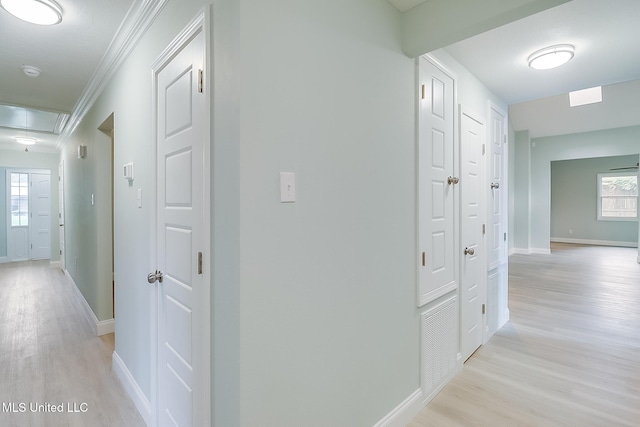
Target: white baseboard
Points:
(4, 259)
(540, 251)
(519, 251)
(55, 264)
(132, 388)
(595, 242)
(100, 327)
(402, 414)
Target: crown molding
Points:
(133, 27)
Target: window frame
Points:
(599, 197)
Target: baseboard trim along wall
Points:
(3, 259)
(404, 412)
(55, 264)
(100, 327)
(132, 388)
(595, 242)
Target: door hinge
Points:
(505, 139)
(200, 81)
(484, 229)
(424, 259)
(483, 309)
(32, 246)
(424, 92)
(60, 251)
(505, 237)
(483, 149)
(199, 262)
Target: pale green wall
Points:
(314, 303)
(536, 188)
(574, 201)
(30, 160)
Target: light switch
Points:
(139, 197)
(287, 187)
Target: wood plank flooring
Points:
(570, 355)
(50, 357)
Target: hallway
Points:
(49, 358)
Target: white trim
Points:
(99, 327)
(595, 242)
(520, 251)
(404, 412)
(55, 264)
(134, 26)
(131, 387)
(4, 259)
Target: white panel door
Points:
(472, 270)
(40, 216)
(181, 111)
(61, 213)
(437, 271)
(497, 187)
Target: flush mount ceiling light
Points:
(26, 140)
(41, 12)
(31, 71)
(551, 57)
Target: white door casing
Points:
(181, 104)
(40, 212)
(472, 296)
(437, 199)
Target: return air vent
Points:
(439, 344)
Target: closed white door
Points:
(61, 212)
(472, 270)
(437, 257)
(40, 216)
(182, 300)
(497, 216)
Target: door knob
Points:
(152, 277)
(495, 185)
(453, 180)
(469, 251)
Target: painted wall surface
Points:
(574, 201)
(88, 209)
(20, 159)
(313, 303)
(605, 143)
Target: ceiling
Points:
(67, 55)
(605, 37)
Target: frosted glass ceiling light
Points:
(41, 12)
(551, 57)
(26, 140)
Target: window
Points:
(19, 199)
(618, 196)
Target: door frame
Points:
(200, 24)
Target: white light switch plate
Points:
(139, 198)
(287, 187)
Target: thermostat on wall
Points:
(128, 171)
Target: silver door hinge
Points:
(483, 309)
(505, 237)
(484, 229)
(483, 149)
(199, 262)
(200, 81)
(505, 139)
(60, 251)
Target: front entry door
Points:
(183, 354)
(40, 216)
(472, 295)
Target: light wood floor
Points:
(49, 356)
(570, 356)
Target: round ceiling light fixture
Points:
(41, 12)
(551, 57)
